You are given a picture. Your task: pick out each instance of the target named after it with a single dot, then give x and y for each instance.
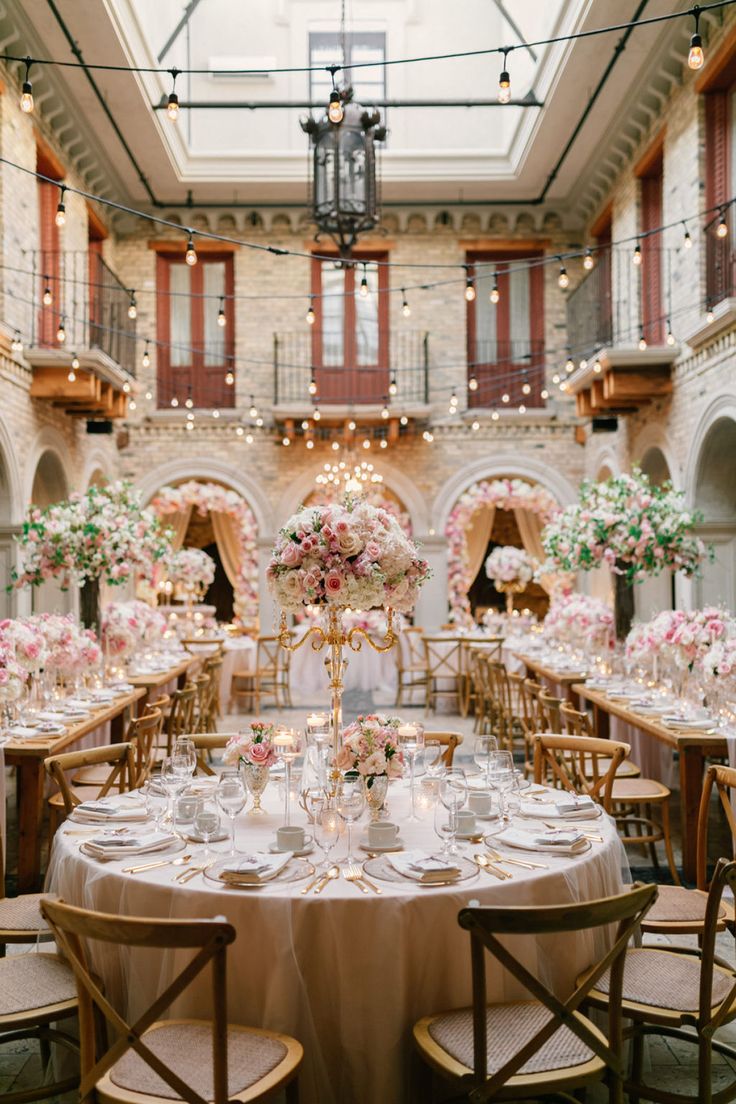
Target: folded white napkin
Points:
(258, 867)
(676, 720)
(122, 846)
(77, 704)
(423, 867)
(576, 805)
(109, 809)
(563, 841)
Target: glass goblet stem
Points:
(349, 858)
(232, 834)
(287, 790)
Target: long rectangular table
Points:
(27, 756)
(155, 680)
(564, 680)
(694, 749)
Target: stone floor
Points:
(670, 1064)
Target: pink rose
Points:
(333, 582)
(344, 758)
(290, 555)
(259, 753)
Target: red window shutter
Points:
(651, 268)
(48, 240)
(718, 250)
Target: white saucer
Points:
(398, 846)
(274, 850)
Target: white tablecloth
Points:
(346, 974)
(366, 671)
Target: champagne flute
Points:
(453, 795)
(350, 804)
(327, 829)
(443, 827)
(206, 822)
(287, 745)
(411, 737)
(231, 797)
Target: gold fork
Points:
(360, 877)
(496, 856)
(350, 874)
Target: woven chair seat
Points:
(627, 769)
(679, 905)
(22, 913)
(508, 1028)
(187, 1048)
(638, 789)
(86, 793)
(92, 776)
(664, 979)
(32, 980)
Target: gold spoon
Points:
(332, 873)
(180, 861)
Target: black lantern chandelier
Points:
(344, 187)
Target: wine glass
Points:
(434, 764)
(483, 747)
(184, 746)
(287, 745)
(501, 777)
(443, 827)
(174, 778)
(411, 737)
(350, 804)
(453, 795)
(156, 801)
(206, 823)
(327, 829)
(231, 797)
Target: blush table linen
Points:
(345, 973)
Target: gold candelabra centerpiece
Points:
(510, 589)
(336, 637)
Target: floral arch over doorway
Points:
(533, 505)
(235, 529)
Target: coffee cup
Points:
(382, 834)
(480, 803)
(290, 837)
(465, 822)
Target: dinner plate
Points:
(166, 846)
(382, 869)
(296, 870)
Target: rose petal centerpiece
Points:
(353, 555)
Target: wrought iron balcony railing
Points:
(506, 368)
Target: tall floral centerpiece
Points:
(335, 556)
(103, 535)
(510, 569)
(192, 571)
(634, 527)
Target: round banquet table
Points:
(347, 974)
(370, 671)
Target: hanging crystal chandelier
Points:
(348, 477)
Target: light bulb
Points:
(26, 97)
(249, 438)
(191, 254)
(597, 367)
(366, 443)
(75, 361)
(405, 308)
(221, 319)
(335, 446)
(17, 343)
(259, 422)
(71, 375)
(393, 386)
(544, 393)
(385, 413)
(696, 57)
(310, 443)
(61, 333)
(555, 378)
(312, 386)
(687, 240)
(311, 316)
(47, 296)
(636, 256)
(709, 316)
(563, 279)
(174, 401)
(526, 389)
(253, 409)
(351, 426)
(495, 416)
(364, 287)
(215, 413)
(475, 426)
(642, 343)
(285, 442)
(588, 260)
(473, 383)
(189, 402)
(522, 408)
(495, 295)
(722, 227)
(335, 112)
(146, 359)
(149, 395)
(670, 337)
(316, 414)
(504, 87)
(189, 426)
(469, 290)
(132, 307)
(505, 397)
(404, 420)
(172, 106)
(60, 216)
(583, 365)
(132, 405)
(229, 379)
(239, 431)
(570, 364)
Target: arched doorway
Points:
(655, 594)
(715, 497)
(6, 537)
(49, 486)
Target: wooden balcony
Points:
(622, 380)
(100, 388)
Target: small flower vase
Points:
(376, 789)
(256, 779)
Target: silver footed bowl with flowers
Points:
(370, 746)
(254, 752)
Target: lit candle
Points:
(407, 730)
(317, 720)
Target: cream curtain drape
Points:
(179, 522)
(530, 531)
(228, 544)
(477, 537)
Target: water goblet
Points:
(501, 777)
(411, 737)
(443, 827)
(453, 795)
(156, 801)
(287, 745)
(231, 797)
(350, 804)
(184, 746)
(434, 764)
(327, 829)
(206, 823)
(483, 747)
(174, 778)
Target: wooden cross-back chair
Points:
(669, 991)
(443, 663)
(530, 717)
(145, 732)
(468, 645)
(179, 720)
(512, 1050)
(20, 917)
(448, 741)
(212, 668)
(577, 722)
(263, 681)
(482, 693)
(134, 1065)
(411, 665)
(120, 761)
(550, 706)
(204, 744)
(508, 724)
(579, 764)
(202, 689)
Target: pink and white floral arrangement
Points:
(370, 745)
(503, 494)
(508, 564)
(351, 555)
(254, 747)
(719, 662)
(633, 526)
(191, 569)
(102, 534)
(690, 638)
(213, 498)
(28, 642)
(13, 675)
(127, 625)
(579, 619)
(69, 649)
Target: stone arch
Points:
(714, 493)
(47, 441)
(96, 470)
(49, 484)
(651, 439)
(210, 469)
(11, 511)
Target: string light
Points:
(191, 253)
(367, 443)
(26, 94)
(60, 216)
(335, 110)
(597, 367)
(393, 386)
(253, 408)
(495, 416)
(583, 364)
(504, 81)
(364, 283)
(687, 240)
(404, 420)
(335, 446)
(310, 443)
(522, 408)
(475, 426)
(189, 426)
(696, 57)
(384, 443)
(495, 294)
(588, 259)
(722, 227)
(505, 397)
(473, 383)
(132, 307)
(132, 405)
(149, 395)
(555, 378)
(544, 393)
(316, 414)
(259, 422)
(405, 308)
(61, 331)
(229, 379)
(172, 104)
(385, 413)
(312, 386)
(215, 413)
(75, 361)
(146, 358)
(526, 389)
(47, 298)
(221, 319)
(469, 287)
(563, 279)
(642, 342)
(709, 315)
(569, 364)
(636, 257)
(174, 401)
(311, 316)
(670, 339)
(239, 431)
(16, 344)
(249, 438)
